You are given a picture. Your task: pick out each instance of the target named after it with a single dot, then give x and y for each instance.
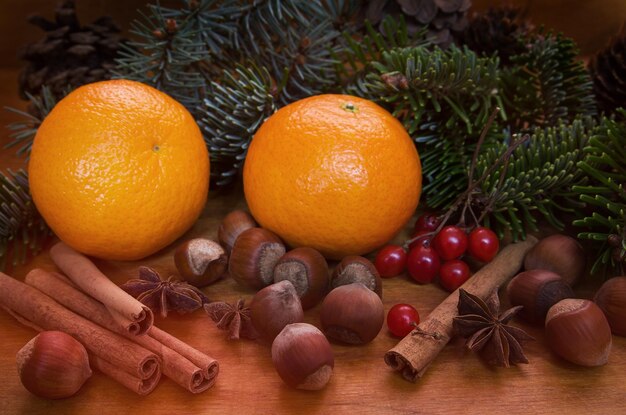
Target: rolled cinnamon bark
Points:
(175, 365)
(130, 313)
(44, 312)
(414, 353)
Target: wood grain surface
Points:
(457, 381)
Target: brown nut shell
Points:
(254, 255)
(577, 331)
(560, 254)
(307, 270)
(273, 307)
(357, 269)
(53, 365)
(232, 226)
(352, 314)
(537, 290)
(303, 356)
(611, 298)
(201, 261)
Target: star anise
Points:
(232, 317)
(161, 296)
(487, 330)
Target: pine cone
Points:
(608, 71)
(498, 30)
(69, 55)
(442, 18)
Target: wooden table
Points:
(457, 381)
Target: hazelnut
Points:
(273, 307)
(353, 269)
(53, 365)
(560, 254)
(200, 261)
(352, 314)
(307, 270)
(537, 290)
(577, 331)
(232, 226)
(303, 357)
(611, 298)
(254, 255)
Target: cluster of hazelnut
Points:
(578, 330)
(287, 283)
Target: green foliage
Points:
(22, 229)
(443, 98)
(538, 181)
(24, 131)
(605, 195)
(237, 107)
(547, 83)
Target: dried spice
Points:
(163, 296)
(232, 317)
(487, 330)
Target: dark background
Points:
(590, 22)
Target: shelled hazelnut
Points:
(537, 290)
(578, 331)
(53, 365)
(357, 269)
(307, 270)
(303, 357)
(611, 298)
(201, 261)
(352, 314)
(253, 257)
(560, 254)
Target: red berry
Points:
(422, 236)
(402, 319)
(423, 264)
(483, 244)
(450, 242)
(390, 261)
(427, 222)
(453, 274)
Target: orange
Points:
(334, 172)
(119, 170)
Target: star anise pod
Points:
(487, 330)
(232, 317)
(161, 296)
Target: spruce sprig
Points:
(539, 180)
(22, 229)
(605, 165)
(229, 118)
(24, 131)
(547, 83)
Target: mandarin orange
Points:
(333, 172)
(119, 170)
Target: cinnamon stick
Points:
(139, 386)
(414, 353)
(176, 365)
(44, 312)
(128, 311)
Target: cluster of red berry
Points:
(433, 254)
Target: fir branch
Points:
(443, 98)
(22, 229)
(539, 180)
(605, 164)
(547, 83)
(163, 54)
(24, 131)
(232, 113)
